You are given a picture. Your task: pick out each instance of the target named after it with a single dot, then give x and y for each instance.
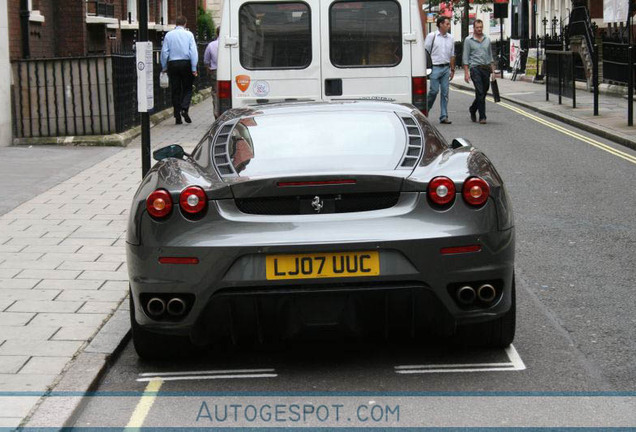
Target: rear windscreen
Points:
(275, 35)
(365, 34)
(300, 143)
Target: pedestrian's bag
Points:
(163, 80)
(495, 89)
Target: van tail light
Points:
(159, 203)
(224, 95)
(418, 94)
(193, 200)
(476, 191)
(441, 191)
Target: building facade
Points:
(71, 28)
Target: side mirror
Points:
(460, 142)
(174, 150)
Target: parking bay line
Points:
(514, 364)
(208, 375)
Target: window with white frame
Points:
(131, 7)
(34, 13)
(164, 12)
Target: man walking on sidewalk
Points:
(179, 57)
(441, 46)
(477, 56)
(210, 60)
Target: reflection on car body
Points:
(356, 217)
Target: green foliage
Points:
(205, 25)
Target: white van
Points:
(276, 50)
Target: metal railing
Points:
(84, 95)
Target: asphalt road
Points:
(576, 235)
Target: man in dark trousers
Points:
(477, 56)
(179, 57)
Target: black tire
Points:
(498, 333)
(154, 346)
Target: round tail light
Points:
(441, 190)
(193, 200)
(476, 191)
(159, 203)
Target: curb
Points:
(82, 374)
(113, 140)
(573, 121)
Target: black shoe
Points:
(177, 120)
(446, 121)
(186, 117)
(473, 116)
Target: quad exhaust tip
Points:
(176, 307)
(466, 295)
(156, 306)
(486, 293)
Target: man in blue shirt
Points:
(179, 57)
(478, 66)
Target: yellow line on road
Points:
(145, 403)
(563, 130)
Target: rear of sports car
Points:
(349, 220)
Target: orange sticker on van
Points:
(243, 82)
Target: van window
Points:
(275, 35)
(365, 33)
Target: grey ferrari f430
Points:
(351, 218)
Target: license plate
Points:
(322, 265)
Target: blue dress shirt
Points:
(179, 44)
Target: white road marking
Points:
(515, 364)
(208, 375)
(207, 372)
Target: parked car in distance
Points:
(286, 220)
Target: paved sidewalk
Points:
(611, 122)
(63, 270)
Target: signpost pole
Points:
(145, 116)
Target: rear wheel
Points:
(154, 346)
(498, 333)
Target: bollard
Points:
(630, 87)
(595, 78)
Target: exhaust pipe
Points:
(176, 307)
(466, 295)
(486, 293)
(156, 307)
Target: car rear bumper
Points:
(416, 286)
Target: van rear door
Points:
(366, 51)
(279, 54)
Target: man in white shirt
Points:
(441, 46)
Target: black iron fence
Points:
(84, 95)
(559, 75)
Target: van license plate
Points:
(322, 265)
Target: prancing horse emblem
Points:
(317, 204)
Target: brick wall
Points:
(42, 36)
(71, 28)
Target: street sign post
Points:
(145, 88)
(147, 101)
